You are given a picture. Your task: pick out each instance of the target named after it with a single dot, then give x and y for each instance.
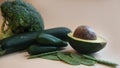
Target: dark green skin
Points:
(12, 50)
(47, 39)
(86, 47)
(20, 41)
(59, 32)
(20, 17)
(39, 49)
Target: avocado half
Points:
(86, 46)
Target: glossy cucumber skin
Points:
(20, 41)
(39, 49)
(12, 50)
(47, 39)
(59, 32)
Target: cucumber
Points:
(47, 39)
(38, 49)
(11, 50)
(59, 32)
(18, 42)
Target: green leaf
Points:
(83, 60)
(43, 54)
(101, 61)
(50, 57)
(67, 58)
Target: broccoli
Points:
(20, 17)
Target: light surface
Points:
(102, 15)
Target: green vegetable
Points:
(11, 50)
(43, 54)
(47, 39)
(86, 46)
(59, 32)
(82, 60)
(20, 17)
(1, 51)
(38, 49)
(67, 58)
(18, 42)
(50, 57)
(101, 61)
(8, 34)
(73, 59)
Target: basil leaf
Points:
(83, 60)
(50, 57)
(101, 61)
(67, 58)
(43, 54)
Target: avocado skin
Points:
(85, 47)
(59, 32)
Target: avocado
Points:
(84, 46)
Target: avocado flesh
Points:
(98, 40)
(86, 46)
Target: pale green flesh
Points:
(98, 40)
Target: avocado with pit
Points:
(86, 42)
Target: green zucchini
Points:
(38, 49)
(18, 42)
(59, 32)
(11, 50)
(47, 39)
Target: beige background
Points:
(102, 15)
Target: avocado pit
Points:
(85, 32)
